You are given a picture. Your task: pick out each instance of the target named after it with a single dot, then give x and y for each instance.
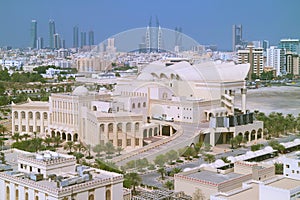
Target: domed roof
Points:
(80, 91)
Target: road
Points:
(186, 138)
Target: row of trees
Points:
(276, 123)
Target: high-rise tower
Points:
(51, 33)
(91, 38)
(75, 37)
(33, 34)
(237, 37)
(83, 39)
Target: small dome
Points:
(219, 162)
(80, 91)
(269, 149)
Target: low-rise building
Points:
(52, 176)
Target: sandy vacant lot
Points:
(284, 99)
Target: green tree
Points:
(48, 141)
(175, 170)
(172, 155)
(16, 136)
(162, 172)
(26, 136)
(209, 158)
(278, 168)
(119, 149)
(80, 147)
(169, 185)
(69, 146)
(98, 149)
(132, 180)
(109, 148)
(160, 160)
(57, 141)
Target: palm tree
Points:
(209, 158)
(48, 141)
(162, 172)
(169, 185)
(109, 148)
(134, 179)
(57, 141)
(16, 136)
(25, 136)
(80, 147)
(97, 149)
(175, 170)
(3, 129)
(88, 149)
(119, 149)
(69, 146)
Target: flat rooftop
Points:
(239, 194)
(213, 176)
(285, 183)
(97, 176)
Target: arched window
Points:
(107, 195)
(133, 106)
(17, 194)
(45, 115)
(144, 104)
(16, 114)
(139, 105)
(23, 115)
(30, 115)
(38, 115)
(91, 197)
(7, 193)
(36, 197)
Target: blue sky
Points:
(207, 21)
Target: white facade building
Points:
(275, 59)
(52, 176)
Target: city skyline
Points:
(207, 22)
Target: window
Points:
(298, 164)
(293, 171)
(128, 143)
(16, 128)
(119, 142)
(30, 168)
(45, 116)
(39, 170)
(23, 128)
(38, 129)
(30, 128)
(137, 142)
(288, 166)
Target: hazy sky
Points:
(207, 21)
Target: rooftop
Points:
(213, 177)
(285, 183)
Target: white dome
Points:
(219, 162)
(80, 91)
(269, 149)
(231, 159)
(203, 165)
(297, 140)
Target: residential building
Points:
(292, 64)
(292, 45)
(275, 59)
(53, 176)
(255, 57)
